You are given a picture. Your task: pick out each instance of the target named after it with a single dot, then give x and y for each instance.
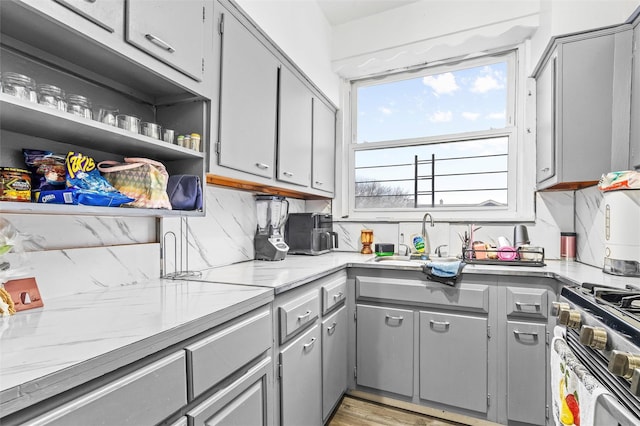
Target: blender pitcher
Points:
(272, 214)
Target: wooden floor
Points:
(358, 412)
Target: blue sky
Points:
(467, 100)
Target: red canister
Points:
(568, 245)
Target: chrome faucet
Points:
(427, 244)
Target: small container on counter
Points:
(52, 96)
(15, 184)
(79, 105)
(19, 85)
(195, 142)
(568, 245)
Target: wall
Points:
(303, 33)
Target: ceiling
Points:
(342, 11)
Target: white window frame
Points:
(521, 185)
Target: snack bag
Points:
(92, 188)
(48, 170)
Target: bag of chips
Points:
(92, 188)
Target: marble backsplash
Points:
(75, 251)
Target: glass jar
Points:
(20, 86)
(79, 105)
(51, 96)
(195, 141)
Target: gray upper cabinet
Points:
(294, 130)
(324, 136)
(582, 88)
(171, 31)
(107, 14)
(634, 149)
(248, 101)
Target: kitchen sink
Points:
(398, 260)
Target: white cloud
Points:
(485, 83)
(442, 84)
(441, 116)
(385, 110)
(496, 115)
(473, 116)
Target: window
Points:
(438, 138)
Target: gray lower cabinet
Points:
(526, 353)
(301, 380)
(243, 402)
(384, 349)
(453, 360)
(334, 360)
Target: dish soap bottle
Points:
(417, 244)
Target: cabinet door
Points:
(294, 133)
(334, 360)
(526, 385)
(634, 149)
(453, 360)
(301, 381)
(546, 136)
(107, 14)
(248, 100)
(243, 402)
(324, 148)
(169, 30)
(384, 349)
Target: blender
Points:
(273, 211)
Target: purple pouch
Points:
(185, 192)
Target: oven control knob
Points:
(557, 306)
(623, 364)
(570, 318)
(594, 337)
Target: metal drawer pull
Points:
(443, 323)
(159, 42)
(391, 317)
(319, 183)
(90, 1)
(523, 304)
(525, 333)
(308, 345)
(338, 296)
(331, 328)
(288, 174)
(303, 316)
(262, 166)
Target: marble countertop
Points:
(297, 270)
(74, 339)
(78, 338)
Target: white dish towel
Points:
(574, 390)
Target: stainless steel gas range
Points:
(601, 328)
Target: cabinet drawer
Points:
(527, 302)
(298, 314)
(334, 293)
(243, 402)
(470, 296)
(146, 396)
(215, 357)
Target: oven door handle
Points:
(622, 415)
